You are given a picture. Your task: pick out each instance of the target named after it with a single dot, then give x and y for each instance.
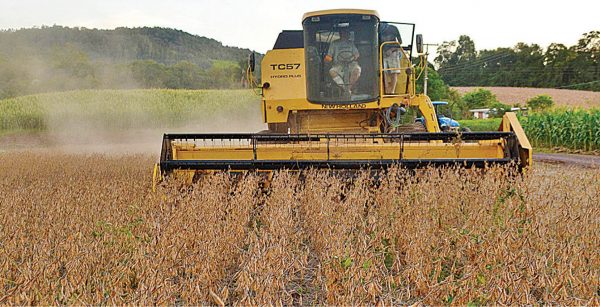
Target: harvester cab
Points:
(334, 95)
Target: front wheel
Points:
(278, 128)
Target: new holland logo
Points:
(344, 106)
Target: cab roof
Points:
(340, 11)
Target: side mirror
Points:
(419, 40)
(251, 61)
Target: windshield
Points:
(341, 58)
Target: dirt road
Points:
(572, 159)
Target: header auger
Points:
(334, 95)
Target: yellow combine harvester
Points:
(334, 95)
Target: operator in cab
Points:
(344, 55)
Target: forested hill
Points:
(121, 45)
(56, 58)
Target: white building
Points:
(480, 113)
(485, 113)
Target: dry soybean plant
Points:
(87, 230)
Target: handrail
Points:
(382, 70)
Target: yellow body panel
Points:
(354, 121)
(284, 70)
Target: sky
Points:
(254, 24)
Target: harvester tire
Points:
(414, 127)
(278, 128)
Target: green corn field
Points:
(574, 129)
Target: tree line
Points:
(524, 65)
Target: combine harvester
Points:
(334, 96)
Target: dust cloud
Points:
(93, 128)
(81, 136)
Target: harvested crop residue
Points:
(520, 95)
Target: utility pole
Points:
(426, 67)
